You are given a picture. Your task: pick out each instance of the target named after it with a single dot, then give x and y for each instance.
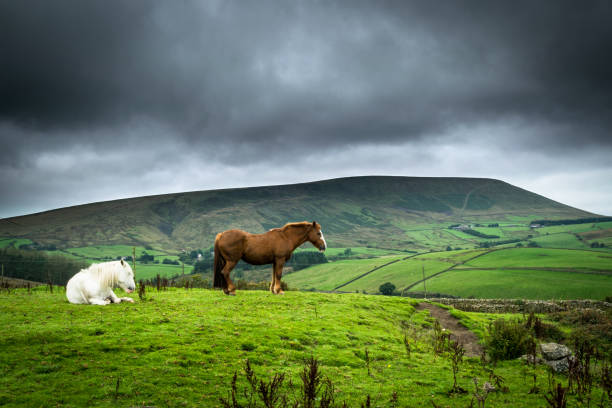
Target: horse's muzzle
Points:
(322, 248)
(129, 290)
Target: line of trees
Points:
(38, 266)
(479, 234)
(301, 260)
(570, 222)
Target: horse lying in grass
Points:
(95, 284)
(273, 247)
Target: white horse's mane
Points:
(106, 273)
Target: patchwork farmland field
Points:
(529, 273)
(521, 284)
(330, 275)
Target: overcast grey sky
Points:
(110, 99)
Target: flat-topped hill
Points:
(355, 211)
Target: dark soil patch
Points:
(459, 332)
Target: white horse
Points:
(95, 284)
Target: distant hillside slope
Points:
(356, 211)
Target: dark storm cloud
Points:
(233, 82)
(283, 71)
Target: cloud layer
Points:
(149, 97)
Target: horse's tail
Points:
(218, 278)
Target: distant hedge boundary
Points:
(570, 222)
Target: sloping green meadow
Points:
(524, 273)
(543, 258)
(333, 274)
(180, 349)
(401, 274)
(521, 284)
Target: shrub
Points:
(542, 330)
(507, 339)
(387, 288)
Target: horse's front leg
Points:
(116, 299)
(277, 274)
(98, 301)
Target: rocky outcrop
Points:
(556, 356)
(554, 351)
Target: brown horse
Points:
(273, 247)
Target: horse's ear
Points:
(314, 224)
(122, 263)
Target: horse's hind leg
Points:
(227, 269)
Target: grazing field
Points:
(401, 274)
(528, 273)
(14, 242)
(561, 240)
(111, 251)
(333, 274)
(149, 270)
(544, 258)
(355, 252)
(181, 348)
(521, 284)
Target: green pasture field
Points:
(521, 284)
(101, 253)
(150, 271)
(111, 251)
(332, 274)
(15, 242)
(452, 256)
(466, 237)
(560, 240)
(543, 258)
(435, 238)
(355, 251)
(181, 348)
(575, 228)
(400, 273)
(499, 231)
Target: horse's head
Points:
(125, 279)
(316, 238)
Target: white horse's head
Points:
(125, 278)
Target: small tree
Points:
(387, 288)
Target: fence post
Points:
(134, 260)
(424, 286)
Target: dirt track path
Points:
(459, 332)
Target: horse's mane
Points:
(285, 227)
(300, 224)
(106, 273)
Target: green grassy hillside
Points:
(181, 348)
(385, 212)
(528, 273)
